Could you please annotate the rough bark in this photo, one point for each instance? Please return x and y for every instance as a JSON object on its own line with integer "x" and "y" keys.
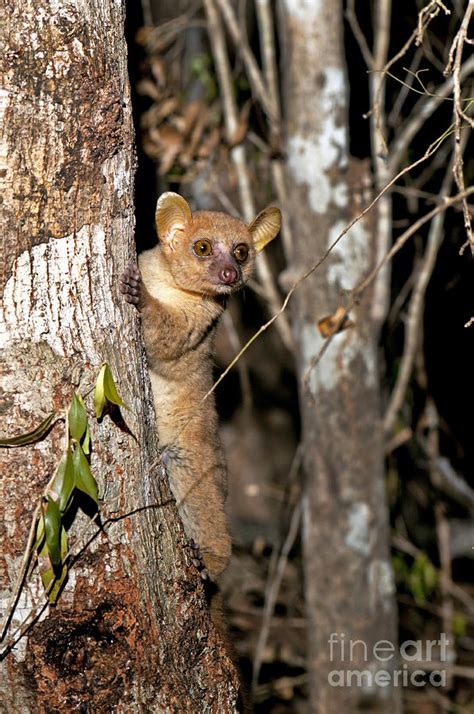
{"x": 349, "y": 585}
{"x": 131, "y": 631}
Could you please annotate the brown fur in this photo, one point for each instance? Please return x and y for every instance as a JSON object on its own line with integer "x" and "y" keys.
{"x": 181, "y": 297}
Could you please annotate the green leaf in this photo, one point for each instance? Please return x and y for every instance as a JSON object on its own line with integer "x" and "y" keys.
{"x": 47, "y": 576}
{"x": 423, "y": 578}
{"x": 31, "y": 436}
{"x": 50, "y": 576}
{"x": 52, "y": 527}
{"x": 459, "y": 624}
{"x": 54, "y": 577}
{"x": 105, "y": 391}
{"x": 64, "y": 543}
{"x": 111, "y": 393}
{"x": 86, "y": 441}
{"x": 83, "y": 477}
{"x": 63, "y": 484}
{"x": 40, "y": 541}
{"x": 77, "y": 417}
{"x": 99, "y": 393}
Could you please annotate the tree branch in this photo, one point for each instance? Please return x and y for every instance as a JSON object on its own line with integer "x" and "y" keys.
{"x": 455, "y": 59}
{"x": 415, "y": 310}
{"x": 359, "y": 35}
{"x": 253, "y": 72}
{"x": 421, "y": 112}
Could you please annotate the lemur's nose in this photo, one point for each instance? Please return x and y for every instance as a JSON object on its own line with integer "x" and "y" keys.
{"x": 228, "y": 276}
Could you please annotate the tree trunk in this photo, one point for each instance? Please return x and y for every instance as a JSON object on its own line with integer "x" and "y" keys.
{"x": 131, "y": 630}
{"x": 349, "y": 584}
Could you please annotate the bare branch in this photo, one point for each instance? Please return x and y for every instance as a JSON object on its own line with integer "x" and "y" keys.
{"x": 273, "y": 586}
{"x": 455, "y": 59}
{"x": 147, "y": 13}
{"x": 415, "y": 310}
{"x": 15, "y": 595}
{"x": 426, "y": 14}
{"x": 378, "y": 130}
{"x": 267, "y": 43}
{"x": 421, "y": 112}
{"x": 359, "y": 35}
{"x": 414, "y": 228}
{"x": 364, "y": 284}
{"x": 443, "y": 475}
{"x": 234, "y": 339}
{"x": 248, "y": 58}
{"x": 407, "y": 85}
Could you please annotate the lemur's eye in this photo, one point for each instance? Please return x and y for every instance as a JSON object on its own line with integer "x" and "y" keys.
{"x": 202, "y": 248}
{"x": 241, "y": 253}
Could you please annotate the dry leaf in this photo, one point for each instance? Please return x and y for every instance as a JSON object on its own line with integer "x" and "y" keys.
{"x": 143, "y": 35}
{"x": 171, "y": 145}
{"x": 208, "y": 146}
{"x": 148, "y": 88}
{"x": 158, "y": 70}
{"x": 165, "y": 109}
{"x": 196, "y": 137}
{"x": 332, "y": 324}
{"x": 190, "y": 113}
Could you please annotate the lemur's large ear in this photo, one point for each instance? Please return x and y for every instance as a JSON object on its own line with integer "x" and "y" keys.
{"x": 172, "y": 215}
{"x": 265, "y": 227}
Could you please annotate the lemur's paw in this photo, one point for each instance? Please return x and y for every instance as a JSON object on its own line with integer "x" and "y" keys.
{"x": 130, "y": 284}
{"x": 196, "y": 559}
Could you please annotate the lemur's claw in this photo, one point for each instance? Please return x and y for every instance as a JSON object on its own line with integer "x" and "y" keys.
{"x": 197, "y": 560}
{"x": 130, "y": 284}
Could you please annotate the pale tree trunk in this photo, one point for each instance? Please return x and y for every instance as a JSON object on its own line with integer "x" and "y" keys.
{"x": 131, "y": 631}
{"x": 349, "y": 584}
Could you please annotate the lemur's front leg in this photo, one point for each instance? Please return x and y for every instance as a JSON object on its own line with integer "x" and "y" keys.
{"x": 161, "y": 326}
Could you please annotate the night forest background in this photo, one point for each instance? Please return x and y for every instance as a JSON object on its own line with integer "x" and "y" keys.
{"x": 182, "y": 145}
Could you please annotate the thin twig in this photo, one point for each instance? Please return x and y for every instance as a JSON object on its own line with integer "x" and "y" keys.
{"x": 393, "y": 118}
{"x": 438, "y": 162}
{"x": 445, "y": 581}
{"x": 443, "y": 475}
{"x": 13, "y": 602}
{"x": 421, "y": 112}
{"x": 272, "y": 590}
{"x": 414, "y": 228}
{"x": 253, "y": 71}
{"x": 415, "y": 310}
{"x": 35, "y": 614}
{"x": 455, "y": 59}
{"x": 359, "y": 35}
{"x": 235, "y": 343}
{"x": 366, "y": 282}
{"x": 147, "y": 13}
{"x": 378, "y": 132}
{"x": 402, "y": 296}
{"x": 385, "y": 167}
{"x": 267, "y": 43}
